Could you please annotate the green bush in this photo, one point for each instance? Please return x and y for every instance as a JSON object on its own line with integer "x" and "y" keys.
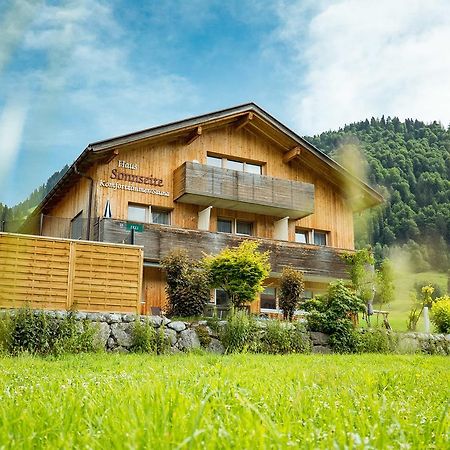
{"x": 331, "y": 314}
{"x": 203, "y": 336}
{"x": 377, "y": 341}
{"x": 291, "y": 291}
{"x": 239, "y": 333}
{"x": 283, "y": 337}
{"x": 38, "y": 332}
{"x": 239, "y": 271}
{"x": 146, "y": 339}
{"x": 440, "y": 314}
{"x": 187, "y": 285}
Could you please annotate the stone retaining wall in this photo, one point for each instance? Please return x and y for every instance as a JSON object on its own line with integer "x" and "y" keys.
{"x": 114, "y": 333}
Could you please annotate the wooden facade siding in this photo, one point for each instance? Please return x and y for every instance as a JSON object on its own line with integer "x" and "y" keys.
{"x": 230, "y": 189}
{"x": 158, "y": 241}
{"x": 49, "y": 273}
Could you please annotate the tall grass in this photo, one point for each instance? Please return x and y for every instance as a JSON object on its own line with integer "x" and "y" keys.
{"x": 235, "y": 401}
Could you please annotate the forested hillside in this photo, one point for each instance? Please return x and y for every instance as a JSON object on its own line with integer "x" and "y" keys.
{"x": 13, "y": 216}
{"x": 409, "y": 163}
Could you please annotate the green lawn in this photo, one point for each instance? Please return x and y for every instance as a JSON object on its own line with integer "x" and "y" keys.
{"x": 404, "y": 284}
{"x": 239, "y": 401}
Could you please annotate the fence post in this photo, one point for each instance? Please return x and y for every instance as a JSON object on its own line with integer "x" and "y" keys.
{"x": 71, "y": 275}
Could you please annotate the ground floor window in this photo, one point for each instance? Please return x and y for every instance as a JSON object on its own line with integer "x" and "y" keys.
{"x": 315, "y": 237}
{"x": 235, "y": 226}
{"x": 301, "y": 236}
{"x": 220, "y": 298}
{"x": 161, "y": 216}
{"x": 268, "y": 298}
{"x": 320, "y": 237}
{"x": 148, "y": 214}
{"x": 137, "y": 212}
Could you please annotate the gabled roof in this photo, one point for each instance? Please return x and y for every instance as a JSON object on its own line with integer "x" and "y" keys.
{"x": 248, "y": 115}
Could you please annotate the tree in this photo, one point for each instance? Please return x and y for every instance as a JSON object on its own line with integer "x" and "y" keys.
{"x": 187, "y": 285}
{"x": 291, "y": 291}
{"x": 361, "y": 270}
{"x": 384, "y": 283}
{"x": 239, "y": 272}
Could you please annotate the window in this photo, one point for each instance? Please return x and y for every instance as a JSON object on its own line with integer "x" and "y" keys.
{"x": 253, "y": 168}
{"x": 137, "y": 212}
{"x": 234, "y": 164}
{"x": 225, "y": 225}
{"x": 214, "y": 161}
{"x": 234, "y": 226}
{"x": 146, "y": 214}
{"x": 320, "y": 237}
{"x": 301, "y": 236}
{"x": 160, "y": 216}
{"x": 245, "y": 228}
{"x": 268, "y": 298}
{"x": 76, "y": 226}
{"x": 220, "y": 297}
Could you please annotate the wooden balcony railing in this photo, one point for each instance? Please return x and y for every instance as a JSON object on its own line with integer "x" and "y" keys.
{"x": 159, "y": 240}
{"x": 200, "y": 184}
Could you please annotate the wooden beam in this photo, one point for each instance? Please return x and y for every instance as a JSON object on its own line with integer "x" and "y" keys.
{"x": 241, "y": 123}
{"x": 193, "y": 135}
{"x": 291, "y": 154}
{"x": 112, "y": 156}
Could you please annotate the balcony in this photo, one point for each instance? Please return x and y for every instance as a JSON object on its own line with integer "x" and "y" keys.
{"x": 321, "y": 263}
{"x": 200, "y": 184}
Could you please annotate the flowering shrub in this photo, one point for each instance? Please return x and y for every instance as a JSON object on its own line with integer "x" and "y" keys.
{"x": 440, "y": 314}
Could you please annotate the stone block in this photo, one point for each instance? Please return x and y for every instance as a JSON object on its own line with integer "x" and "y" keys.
{"x": 319, "y": 338}
{"x": 177, "y": 326}
{"x": 113, "y": 318}
{"x": 215, "y": 346}
{"x": 171, "y": 336}
{"x": 155, "y": 321}
{"x": 128, "y": 318}
{"x": 122, "y": 334}
{"x": 188, "y": 340}
{"x": 101, "y": 335}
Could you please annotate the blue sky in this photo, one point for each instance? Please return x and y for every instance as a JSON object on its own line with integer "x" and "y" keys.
{"x": 76, "y": 71}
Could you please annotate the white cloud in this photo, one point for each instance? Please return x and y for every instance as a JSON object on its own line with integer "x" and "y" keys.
{"x": 360, "y": 58}
{"x": 86, "y": 72}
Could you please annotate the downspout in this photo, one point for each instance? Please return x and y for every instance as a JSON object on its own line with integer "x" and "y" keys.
{"x": 91, "y": 192}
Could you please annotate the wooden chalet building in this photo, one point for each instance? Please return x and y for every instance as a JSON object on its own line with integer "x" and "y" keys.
{"x": 208, "y": 182}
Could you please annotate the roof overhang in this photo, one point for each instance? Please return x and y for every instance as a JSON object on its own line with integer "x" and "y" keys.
{"x": 250, "y": 116}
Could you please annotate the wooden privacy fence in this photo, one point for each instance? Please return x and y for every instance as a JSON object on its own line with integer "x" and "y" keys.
{"x": 51, "y": 273}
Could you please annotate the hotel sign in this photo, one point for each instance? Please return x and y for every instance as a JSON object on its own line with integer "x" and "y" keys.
{"x": 146, "y": 180}
{"x": 135, "y": 226}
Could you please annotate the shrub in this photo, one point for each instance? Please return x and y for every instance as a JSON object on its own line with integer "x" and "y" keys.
{"x": 187, "y": 285}
{"x": 146, "y": 339}
{"x": 203, "y": 335}
{"x": 377, "y": 341}
{"x": 435, "y": 293}
{"x": 239, "y": 333}
{"x": 239, "y": 272}
{"x": 38, "y": 332}
{"x": 440, "y": 314}
{"x": 291, "y": 291}
{"x": 283, "y": 337}
{"x": 425, "y": 299}
{"x": 332, "y": 313}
